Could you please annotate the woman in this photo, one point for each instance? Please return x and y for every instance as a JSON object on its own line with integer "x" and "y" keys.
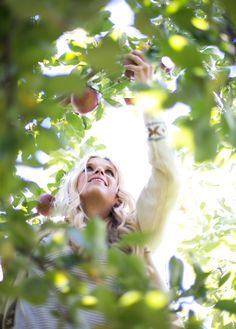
{"x": 95, "y": 189}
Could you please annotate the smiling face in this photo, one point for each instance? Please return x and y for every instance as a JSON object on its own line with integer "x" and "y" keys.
{"x": 98, "y": 186}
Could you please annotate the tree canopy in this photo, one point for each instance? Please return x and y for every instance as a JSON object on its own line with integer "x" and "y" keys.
{"x": 199, "y": 37}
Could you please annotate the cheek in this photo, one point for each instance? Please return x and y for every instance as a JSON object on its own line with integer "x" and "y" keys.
{"x": 114, "y": 187}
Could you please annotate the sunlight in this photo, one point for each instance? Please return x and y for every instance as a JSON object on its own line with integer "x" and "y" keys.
{"x": 177, "y": 42}
{"x": 151, "y": 100}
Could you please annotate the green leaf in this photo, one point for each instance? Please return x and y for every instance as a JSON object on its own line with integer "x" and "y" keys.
{"x": 179, "y": 48}
{"x": 76, "y": 121}
{"x": 128, "y": 269}
{"x": 226, "y": 305}
{"x": 107, "y": 301}
{"x": 33, "y": 188}
{"x": 183, "y": 18}
{"x": 64, "y": 84}
{"x": 99, "y": 111}
{"x": 95, "y": 235}
{"x": 34, "y": 290}
{"x": 98, "y": 57}
{"x": 135, "y": 238}
{"x": 229, "y": 126}
{"x": 224, "y": 278}
{"x": 143, "y": 23}
{"x": 47, "y": 140}
{"x": 60, "y": 174}
{"x": 21, "y": 233}
{"x": 100, "y": 24}
{"x": 92, "y": 239}
{"x": 230, "y": 7}
{"x": 176, "y": 273}
{"x": 86, "y": 122}
{"x": 206, "y": 139}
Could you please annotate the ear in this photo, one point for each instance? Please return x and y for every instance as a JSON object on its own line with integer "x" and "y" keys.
{"x": 117, "y": 202}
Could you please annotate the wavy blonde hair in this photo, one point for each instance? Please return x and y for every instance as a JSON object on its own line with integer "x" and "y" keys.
{"x": 121, "y": 220}
{"x": 122, "y": 217}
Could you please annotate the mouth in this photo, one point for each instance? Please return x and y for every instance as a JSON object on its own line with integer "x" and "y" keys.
{"x": 98, "y": 179}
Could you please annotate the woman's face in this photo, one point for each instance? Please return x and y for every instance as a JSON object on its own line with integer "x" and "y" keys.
{"x": 99, "y": 183}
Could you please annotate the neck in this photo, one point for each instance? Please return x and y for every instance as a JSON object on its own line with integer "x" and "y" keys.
{"x": 95, "y": 210}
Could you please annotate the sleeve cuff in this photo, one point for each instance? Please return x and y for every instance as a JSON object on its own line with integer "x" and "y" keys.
{"x": 156, "y": 130}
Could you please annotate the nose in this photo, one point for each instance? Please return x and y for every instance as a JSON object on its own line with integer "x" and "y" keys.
{"x": 99, "y": 170}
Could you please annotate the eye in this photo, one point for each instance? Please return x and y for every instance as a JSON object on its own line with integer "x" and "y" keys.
{"x": 89, "y": 168}
{"x": 109, "y": 172}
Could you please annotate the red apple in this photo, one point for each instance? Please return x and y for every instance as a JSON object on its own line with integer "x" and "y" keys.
{"x": 85, "y": 103}
{"x": 45, "y": 204}
{"x": 130, "y": 100}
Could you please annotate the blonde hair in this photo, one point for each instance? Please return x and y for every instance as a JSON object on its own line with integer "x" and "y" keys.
{"x": 122, "y": 218}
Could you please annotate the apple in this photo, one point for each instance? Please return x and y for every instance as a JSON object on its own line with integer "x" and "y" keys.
{"x": 45, "y": 204}
{"x": 85, "y": 103}
{"x": 129, "y": 100}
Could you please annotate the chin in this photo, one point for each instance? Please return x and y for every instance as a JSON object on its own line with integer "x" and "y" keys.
{"x": 94, "y": 193}
{"x": 97, "y": 200}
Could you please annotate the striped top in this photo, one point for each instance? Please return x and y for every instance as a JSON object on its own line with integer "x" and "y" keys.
{"x": 28, "y": 316}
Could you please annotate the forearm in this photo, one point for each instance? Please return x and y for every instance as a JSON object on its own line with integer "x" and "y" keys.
{"x": 159, "y": 195}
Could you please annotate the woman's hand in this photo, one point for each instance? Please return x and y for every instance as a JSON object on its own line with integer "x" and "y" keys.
{"x": 135, "y": 62}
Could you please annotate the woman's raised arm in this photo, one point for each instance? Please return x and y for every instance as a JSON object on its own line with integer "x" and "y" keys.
{"x": 158, "y": 197}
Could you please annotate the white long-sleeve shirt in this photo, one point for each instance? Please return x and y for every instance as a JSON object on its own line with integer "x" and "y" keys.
{"x": 158, "y": 197}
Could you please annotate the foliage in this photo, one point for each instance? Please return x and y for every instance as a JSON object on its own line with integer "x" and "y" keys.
{"x": 199, "y": 37}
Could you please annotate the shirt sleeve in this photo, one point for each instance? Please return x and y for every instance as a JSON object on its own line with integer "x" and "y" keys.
{"x": 158, "y": 197}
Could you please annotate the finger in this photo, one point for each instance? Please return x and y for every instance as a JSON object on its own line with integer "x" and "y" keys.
{"x": 136, "y": 59}
{"x": 133, "y": 68}
{"x": 138, "y": 53}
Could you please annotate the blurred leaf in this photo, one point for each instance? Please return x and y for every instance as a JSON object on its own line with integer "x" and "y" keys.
{"x": 130, "y": 272}
{"x": 47, "y": 140}
{"x": 99, "y": 111}
{"x": 101, "y": 23}
{"x": 183, "y": 18}
{"x": 226, "y": 305}
{"x": 87, "y": 124}
{"x": 64, "y": 84}
{"x": 135, "y": 238}
{"x": 98, "y": 57}
{"x": 143, "y": 23}
{"x": 178, "y": 48}
{"x": 224, "y": 278}
{"x": 33, "y": 188}
{"x": 95, "y": 235}
{"x": 205, "y": 139}
{"x": 21, "y": 233}
{"x": 176, "y": 273}
{"x": 230, "y": 7}
{"x": 34, "y": 290}
{"x": 107, "y": 302}
{"x": 229, "y": 126}
{"x": 76, "y": 121}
